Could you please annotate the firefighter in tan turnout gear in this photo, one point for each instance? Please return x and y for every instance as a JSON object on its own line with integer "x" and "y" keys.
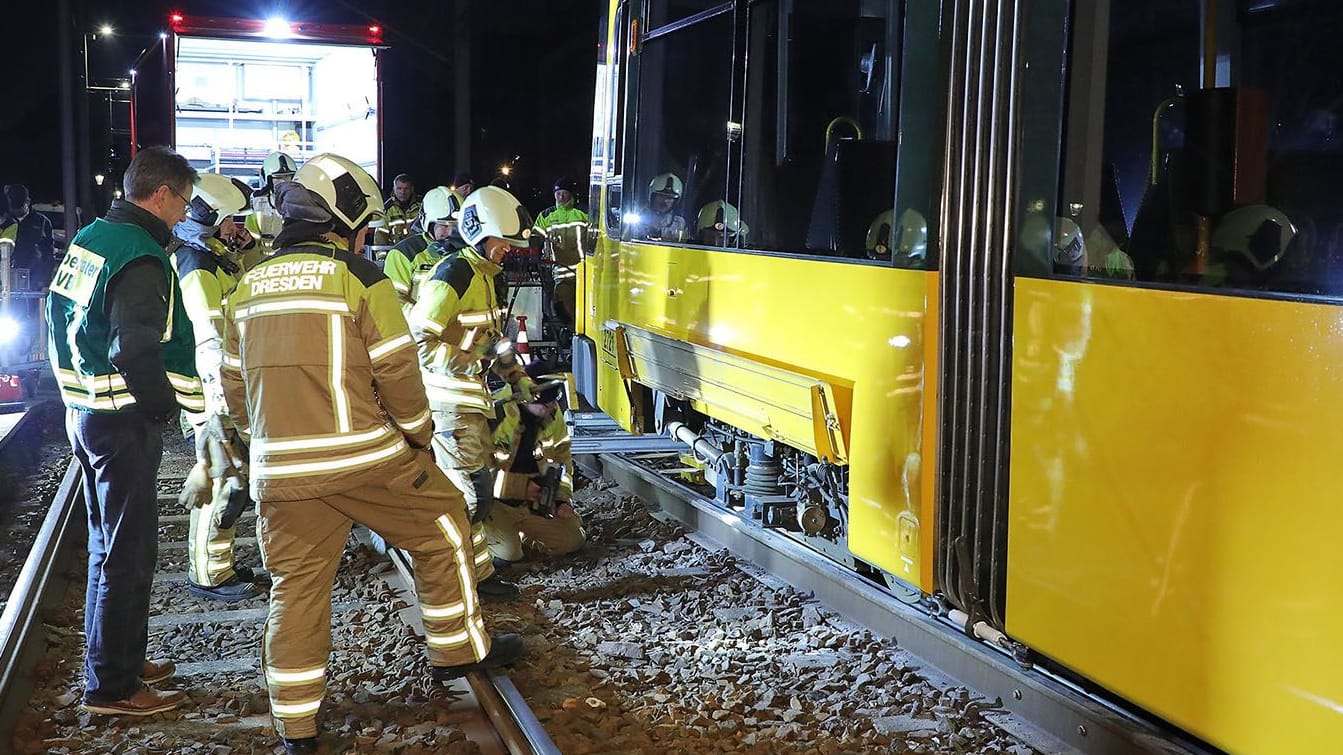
{"x": 458, "y": 327}
{"x": 320, "y": 369}
{"x": 216, "y": 488}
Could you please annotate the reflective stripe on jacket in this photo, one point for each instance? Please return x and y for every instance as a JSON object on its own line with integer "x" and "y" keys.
{"x": 320, "y": 369}
{"x": 456, "y": 321}
{"x": 207, "y": 276}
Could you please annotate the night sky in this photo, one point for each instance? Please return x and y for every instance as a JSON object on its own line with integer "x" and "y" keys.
{"x": 533, "y": 73}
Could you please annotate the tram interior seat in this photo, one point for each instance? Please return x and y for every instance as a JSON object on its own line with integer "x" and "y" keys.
{"x": 857, "y": 184}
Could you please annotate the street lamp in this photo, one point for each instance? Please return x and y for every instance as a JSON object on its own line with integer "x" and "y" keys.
{"x": 105, "y": 30}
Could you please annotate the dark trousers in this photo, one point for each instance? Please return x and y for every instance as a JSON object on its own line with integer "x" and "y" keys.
{"x": 119, "y": 455}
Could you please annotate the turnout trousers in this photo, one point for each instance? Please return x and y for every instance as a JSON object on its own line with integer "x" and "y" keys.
{"x": 507, "y": 527}
{"x": 211, "y": 545}
{"x": 415, "y": 508}
{"x": 119, "y": 455}
{"x": 464, "y": 451}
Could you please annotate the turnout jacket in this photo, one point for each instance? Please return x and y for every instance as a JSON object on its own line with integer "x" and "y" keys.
{"x": 319, "y": 368}
{"x": 529, "y": 439}
{"x": 207, "y": 275}
{"x": 408, "y": 264}
{"x": 456, "y": 322}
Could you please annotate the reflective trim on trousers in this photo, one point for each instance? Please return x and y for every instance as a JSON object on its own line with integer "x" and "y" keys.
{"x": 301, "y": 676}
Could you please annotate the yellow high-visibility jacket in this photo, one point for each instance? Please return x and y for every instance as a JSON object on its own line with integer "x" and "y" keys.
{"x": 457, "y": 321}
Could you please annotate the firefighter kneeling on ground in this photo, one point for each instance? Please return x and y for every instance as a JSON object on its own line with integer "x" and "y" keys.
{"x": 534, "y": 483}
{"x": 216, "y": 489}
{"x": 458, "y": 324}
{"x": 319, "y": 367}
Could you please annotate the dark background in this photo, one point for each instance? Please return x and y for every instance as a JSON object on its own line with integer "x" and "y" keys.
{"x": 532, "y": 64}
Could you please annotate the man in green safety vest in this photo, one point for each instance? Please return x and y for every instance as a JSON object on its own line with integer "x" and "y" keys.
{"x": 123, "y": 352}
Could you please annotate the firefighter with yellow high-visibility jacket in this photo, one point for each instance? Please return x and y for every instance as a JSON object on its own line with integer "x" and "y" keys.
{"x": 564, "y": 227}
{"x": 409, "y": 262}
{"x": 216, "y": 489}
{"x": 534, "y": 484}
{"x": 400, "y": 212}
{"x": 265, "y": 221}
{"x": 458, "y": 325}
{"x": 320, "y": 369}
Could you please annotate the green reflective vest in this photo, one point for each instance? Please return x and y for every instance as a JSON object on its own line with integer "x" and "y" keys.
{"x": 566, "y": 229}
{"x": 80, "y": 329}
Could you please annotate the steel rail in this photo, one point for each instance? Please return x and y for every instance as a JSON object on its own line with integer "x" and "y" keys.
{"x": 517, "y": 726}
{"x": 1075, "y": 718}
{"x": 41, "y": 577}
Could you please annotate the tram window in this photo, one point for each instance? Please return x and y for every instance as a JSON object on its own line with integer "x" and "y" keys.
{"x": 1217, "y": 168}
{"x": 681, "y": 132}
{"x": 819, "y": 143}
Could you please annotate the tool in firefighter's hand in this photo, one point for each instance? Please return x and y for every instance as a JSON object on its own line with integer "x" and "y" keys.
{"x": 549, "y": 485}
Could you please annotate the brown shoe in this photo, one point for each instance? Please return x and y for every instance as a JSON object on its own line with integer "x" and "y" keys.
{"x": 157, "y": 671}
{"x": 145, "y": 702}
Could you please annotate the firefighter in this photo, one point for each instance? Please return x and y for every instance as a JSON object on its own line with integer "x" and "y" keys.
{"x": 534, "y": 483}
{"x": 409, "y": 262}
{"x": 265, "y": 220}
{"x": 400, "y": 211}
{"x": 719, "y": 224}
{"x": 122, "y": 350}
{"x": 34, "y": 246}
{"x": 458, "y": 325}
{"x": 216, "y": 488}
{"x": 564, "y": 228}
{"x": 664, "y": 191}
{"x": 317, "y": 351}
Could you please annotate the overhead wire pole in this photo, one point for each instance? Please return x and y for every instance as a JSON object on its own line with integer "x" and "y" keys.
{"x": 461, "y": 89}
{"x": 69, "y": 189}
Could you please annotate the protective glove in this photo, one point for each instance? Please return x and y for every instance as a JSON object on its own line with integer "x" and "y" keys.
{"x": 197, "y": 491}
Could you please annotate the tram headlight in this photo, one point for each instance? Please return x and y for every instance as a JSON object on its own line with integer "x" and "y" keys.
{"x": 9, "y": 330}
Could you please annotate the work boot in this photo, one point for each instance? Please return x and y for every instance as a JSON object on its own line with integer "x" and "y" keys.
{"x": 502, "y": 563}
{"x": 258, "y": 577}
{"x": 145, "y": 702}
{"x": 306, "y": 744}
{"x": 231, "y": 591}
{"x": 496, "y": 589}
{"x": 505, "y": 650}
{"x": 157, "y": 671}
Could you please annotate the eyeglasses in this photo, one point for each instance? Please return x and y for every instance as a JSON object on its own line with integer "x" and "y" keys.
{"x": 185, "y": 202}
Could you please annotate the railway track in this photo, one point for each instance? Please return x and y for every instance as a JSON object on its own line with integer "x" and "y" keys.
{"x": 1068, "y": 717}
{"x": 216, "y": 647}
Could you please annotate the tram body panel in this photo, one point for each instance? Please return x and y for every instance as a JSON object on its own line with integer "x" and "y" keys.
{"x": 1172, "y": 530}
{"x": 744, "y": 331}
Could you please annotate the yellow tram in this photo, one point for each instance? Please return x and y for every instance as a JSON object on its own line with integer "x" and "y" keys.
{"x": 1030, "y": 306}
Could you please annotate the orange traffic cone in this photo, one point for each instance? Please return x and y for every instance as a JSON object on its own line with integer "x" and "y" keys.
{"x": 520, "y": 343}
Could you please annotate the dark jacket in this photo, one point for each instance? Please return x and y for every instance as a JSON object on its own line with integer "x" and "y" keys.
{"x": 34, "y": 247}
{"x": 135, "y": 300}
